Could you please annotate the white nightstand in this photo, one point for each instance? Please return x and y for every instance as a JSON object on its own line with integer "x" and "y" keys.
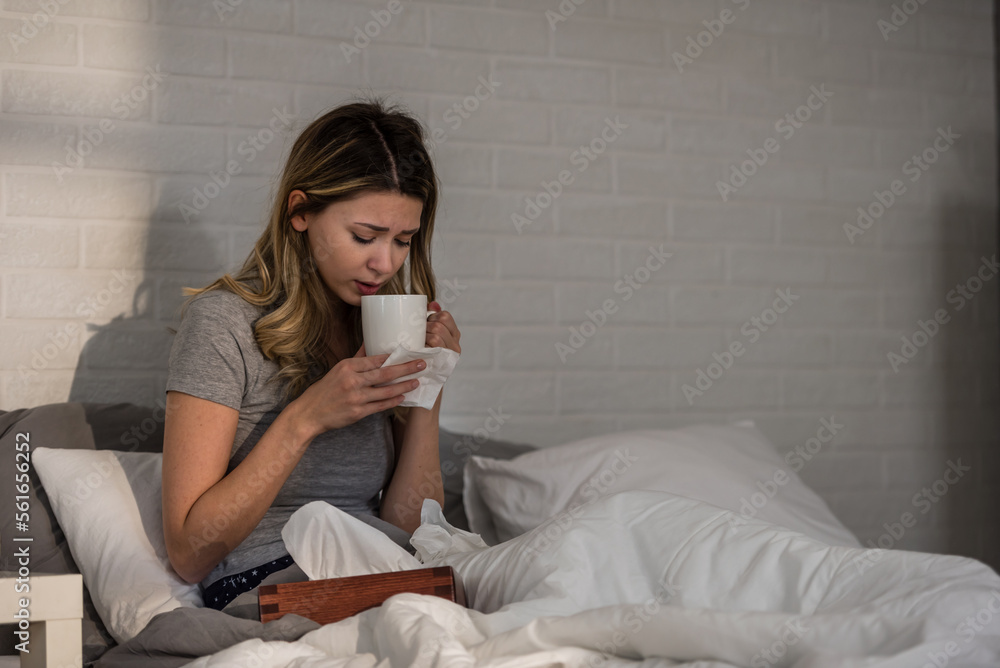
{"x": 56, "y": 615}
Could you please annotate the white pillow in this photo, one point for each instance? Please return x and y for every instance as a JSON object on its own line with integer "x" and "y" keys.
{"x": 109, "y": 506}
{"x": 732, "y": 467}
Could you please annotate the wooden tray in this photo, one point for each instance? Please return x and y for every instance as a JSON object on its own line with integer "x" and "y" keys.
{"x": 325, "y": 601}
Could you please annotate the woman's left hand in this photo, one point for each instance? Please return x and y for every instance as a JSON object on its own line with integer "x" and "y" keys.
{"x": 442, "y": 332}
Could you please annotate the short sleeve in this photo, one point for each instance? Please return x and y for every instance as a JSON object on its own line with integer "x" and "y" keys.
{"x": 208, "y": 358}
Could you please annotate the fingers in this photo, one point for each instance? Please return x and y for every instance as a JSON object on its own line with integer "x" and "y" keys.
{"x": 386, "y": 398}
{"x": 385, "y": 404}
{"x": 445, "y": 320}
{"x": 387, "y": 392}
{"x": 391, "y": 373}
{"x": 442, "y": 332}
{"x": 441, "y": 338}
{"x": 362, "y": 364}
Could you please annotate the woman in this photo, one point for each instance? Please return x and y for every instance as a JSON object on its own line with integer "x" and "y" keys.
{"x": 271, "y": 400}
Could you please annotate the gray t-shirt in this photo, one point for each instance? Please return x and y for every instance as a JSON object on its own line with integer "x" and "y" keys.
{"x": 216, "y": 357}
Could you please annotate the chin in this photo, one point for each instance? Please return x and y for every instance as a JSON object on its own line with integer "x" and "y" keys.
{"x": 346, "y": 294}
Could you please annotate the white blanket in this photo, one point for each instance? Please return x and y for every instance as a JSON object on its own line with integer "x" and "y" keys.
{"x": 650, "y": 579}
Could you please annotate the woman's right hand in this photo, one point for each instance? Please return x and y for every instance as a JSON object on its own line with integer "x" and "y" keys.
{"x": 347, "y": 392}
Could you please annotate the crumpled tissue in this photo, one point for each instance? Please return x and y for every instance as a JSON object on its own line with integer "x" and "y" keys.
{"x": 440, "y": 363}
{"x": 435, "y": 539}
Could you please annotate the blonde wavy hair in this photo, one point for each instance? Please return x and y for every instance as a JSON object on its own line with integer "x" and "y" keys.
{"x": 362, "y": 147}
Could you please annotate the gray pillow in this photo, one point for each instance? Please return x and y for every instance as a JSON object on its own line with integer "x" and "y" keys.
{"x": 454, "y": 450}
{"x": 72, "y": 426}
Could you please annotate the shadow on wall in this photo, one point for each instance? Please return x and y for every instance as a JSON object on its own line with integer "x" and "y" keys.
{"x": 202, "y": 224}
{"x": 125, "y": 360}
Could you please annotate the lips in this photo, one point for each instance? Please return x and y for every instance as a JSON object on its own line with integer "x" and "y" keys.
{"x": 367, "y": 288}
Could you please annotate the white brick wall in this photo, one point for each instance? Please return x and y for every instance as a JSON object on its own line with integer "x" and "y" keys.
{"x": 92, "y": 258}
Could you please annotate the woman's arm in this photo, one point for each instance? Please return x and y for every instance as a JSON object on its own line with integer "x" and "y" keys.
{"x": 417, "y": 475}
{"x": 206, "y": 513}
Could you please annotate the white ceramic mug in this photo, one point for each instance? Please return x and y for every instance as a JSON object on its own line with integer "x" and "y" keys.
{"x": 388, "y": 321}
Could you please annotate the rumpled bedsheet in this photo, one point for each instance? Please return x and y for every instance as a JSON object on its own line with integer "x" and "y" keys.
{"x": 647, "y": 578}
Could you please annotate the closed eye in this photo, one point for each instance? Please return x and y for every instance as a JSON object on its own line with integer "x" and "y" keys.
{"x": 365, "y": 242}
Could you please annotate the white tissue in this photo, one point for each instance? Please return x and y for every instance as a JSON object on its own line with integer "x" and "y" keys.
{"x": 440, "y": 363}
{"x": 326, "y": 542}
{"x": 436, "y": 539}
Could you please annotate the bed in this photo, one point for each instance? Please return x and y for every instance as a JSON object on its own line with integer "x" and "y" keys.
{"x": 697, "y": 546}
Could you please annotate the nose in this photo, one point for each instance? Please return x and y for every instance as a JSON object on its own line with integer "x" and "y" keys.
{"x": 380, "y": 261}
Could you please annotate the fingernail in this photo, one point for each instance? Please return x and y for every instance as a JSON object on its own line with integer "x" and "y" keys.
{"x": 421, "y": 365}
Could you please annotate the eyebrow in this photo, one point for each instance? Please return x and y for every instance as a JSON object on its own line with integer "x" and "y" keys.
{"x": 386, "y": 229}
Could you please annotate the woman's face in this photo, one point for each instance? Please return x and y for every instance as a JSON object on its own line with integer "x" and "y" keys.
{"x": 360, "y": 243}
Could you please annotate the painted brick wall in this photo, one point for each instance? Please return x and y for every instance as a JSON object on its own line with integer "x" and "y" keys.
{"x": 642, "y": 225}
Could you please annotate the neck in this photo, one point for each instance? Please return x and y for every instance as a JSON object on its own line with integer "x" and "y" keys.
{"x": 339, "y": 327}
{"x": 338, "y": 307}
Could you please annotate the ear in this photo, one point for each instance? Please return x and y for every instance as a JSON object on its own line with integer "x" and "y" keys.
{"x": 300, "y": 223}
